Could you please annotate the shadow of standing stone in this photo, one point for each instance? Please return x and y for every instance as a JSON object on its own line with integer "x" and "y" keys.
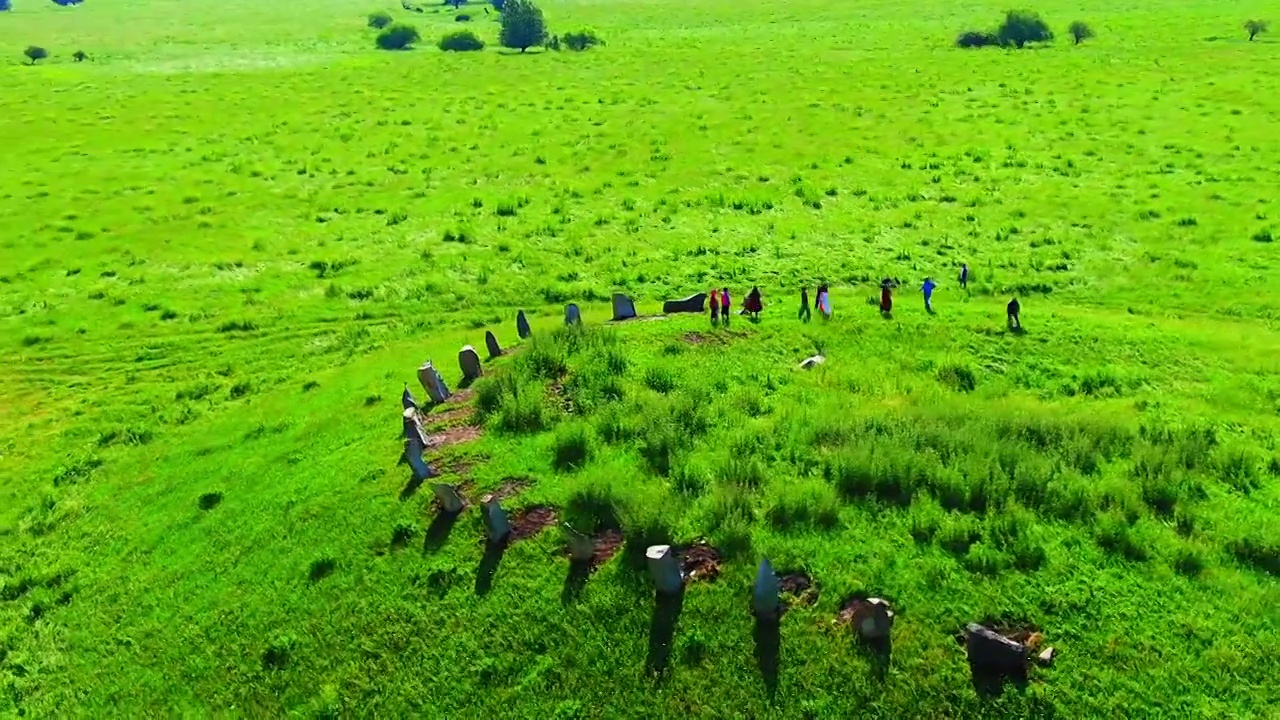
{"x": 662, "y": 629}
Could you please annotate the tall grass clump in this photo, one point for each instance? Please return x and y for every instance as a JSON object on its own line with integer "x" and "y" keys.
{"x": 573, "y": 446}
{"x": 803, "y": 503}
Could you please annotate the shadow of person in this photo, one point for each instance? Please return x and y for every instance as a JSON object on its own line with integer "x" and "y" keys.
{"x": 768, "y": 639}
{"x": 662, "y": 628}
{"x": 493, "y": 552}
{"x": 438, "y": 531}
{"x": 886, "y": 315}
{"x": 575, "y": 581}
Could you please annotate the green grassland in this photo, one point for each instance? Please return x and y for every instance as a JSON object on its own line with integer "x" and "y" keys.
{"x": 232, "y": 235}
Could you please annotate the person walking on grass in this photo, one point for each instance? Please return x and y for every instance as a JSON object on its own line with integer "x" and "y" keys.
{"x": 824, "y": 301}
{"x": 805, "y": 314}
{"x": 927, "y": 289}
{"x": 715, "y": 307}
{"x": 753, "y": 304}
{"x": 964, "y": 276}
{"x": 1014, "y": 308}
{"x": 886, "y": 296}
{"x": 725, "y": 304}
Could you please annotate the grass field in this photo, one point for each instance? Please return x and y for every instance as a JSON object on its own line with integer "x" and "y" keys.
{"x": 233, "y": 234}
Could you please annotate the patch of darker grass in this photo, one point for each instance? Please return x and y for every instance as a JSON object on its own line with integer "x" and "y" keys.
{"x": 321, "y": 569}
{"x": 209, "y": 501}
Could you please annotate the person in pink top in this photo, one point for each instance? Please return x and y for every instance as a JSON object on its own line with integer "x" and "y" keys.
{"x": 724, "y": 306}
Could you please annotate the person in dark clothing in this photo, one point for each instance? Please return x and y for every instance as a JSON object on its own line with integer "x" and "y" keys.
{"x": 805, "y": 313}
{"x": 725, "y": 303}
{"x": 964, "y": 276}
{"x": 1015, "y": 323}
{"x": 752, "y": 305}
{"x": 886, "y": 296}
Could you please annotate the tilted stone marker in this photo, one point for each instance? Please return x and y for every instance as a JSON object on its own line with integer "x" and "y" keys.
{"x": 764, "y": 597}
{"x": 874, "y": 619}
{"x": 522, "y": 326}
{"x": 491, "y": 343}
{"x": 496, "y": 524}
{"x": 413, "y": 427}
{"x": 664, "y": 569}
{"x": 572, "y": 315}
{"x": 991, "y": 651}
{"x": 433, "y": 383}
{"x": 450, "y": 500}
{"x": 581, "y": 547}
{"x": 692, "y": 304}
{"x": 469, "y": 361}
{"x": 413, "y": 454}
{"x": 813, "y": 362}
{"x": 407, "y": 399}
{"x": 623, "y": 308}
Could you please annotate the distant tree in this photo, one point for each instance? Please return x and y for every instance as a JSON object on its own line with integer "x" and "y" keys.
{"x": 380, "y": 19}
{"x": 977, "y": 39}
{"x": 461, "y": 41}
{"x": 398, "y": 37}
{"x": 497, "y": 4}
{"x": 35, "y": 53}
{"x": 5, "y": 6}
{"x": 79, "y": 56}
{"x": 1080, "y": 32}
{"x": 523, "y": 26}
{"x": 1256, "y": 28}
{"x": 65, "y": 3}
{"x": 1023, "y": 26}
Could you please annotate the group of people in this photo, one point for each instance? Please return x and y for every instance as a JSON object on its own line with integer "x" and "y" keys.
{"x": 752, "y": 306}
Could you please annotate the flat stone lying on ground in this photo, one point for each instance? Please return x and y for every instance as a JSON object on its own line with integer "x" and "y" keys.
{"x": 522, "y": 326}
{"x": 692, "y": 304}
{"x": 810, "y": 363}
{"x": 623, "y": 307}
{"x": 491, "y": 344}
{"x": 433, "y": 383}
{"x": 469, "y": 362}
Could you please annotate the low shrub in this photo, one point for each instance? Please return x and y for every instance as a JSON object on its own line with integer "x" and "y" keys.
{"x": 1115, "y": 535}
{"x": 380, "y": 19}
{"x": 1189, "y": 561}
{"x": 1262, "y": 554}
{"x": 659, "y": 379}
{"x": 461, "y": 41}
{"x": 958, "y": 378}
{"x": 580, "y": 40}
{"x": 398, "y": 36}
{"x": 1080, "y": 31}
{"x": 977, "y": 39}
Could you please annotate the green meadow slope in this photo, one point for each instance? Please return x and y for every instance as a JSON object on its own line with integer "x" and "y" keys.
{"x": 232, "y": 235}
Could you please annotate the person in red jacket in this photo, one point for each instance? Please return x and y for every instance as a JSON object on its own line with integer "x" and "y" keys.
{"x": 714, "y": 297}
{"x": 886, "y": 296}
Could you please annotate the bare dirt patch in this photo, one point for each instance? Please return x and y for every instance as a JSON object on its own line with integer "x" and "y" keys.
{"x": 460, "y": 397}
{"x": 530, "y": 521}
{"x": 509, "y": 488}
{"x": 608, "y": 543}
{"x": 798, "y": 588}
{"x": 449, "y": 418}
{"x": 454, "y": 436}
{"x": 699, "y": 561}
{"x": 557, "y": 395}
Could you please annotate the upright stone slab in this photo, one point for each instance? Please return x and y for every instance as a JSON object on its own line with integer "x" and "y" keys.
{"x": 450, "y": 500}
{"x": 491, "y": 343}
{"x": 764, "y": 597}
{"x": 413, "y": 427}
{"x": 413, "y": 454}
{"x": 692, "y": 304}
{"x": 581, "y": 547}
{"x": 522, "y": 326}
{"x": 664, "y": 569}
{"x": 407, "y": 399}
{"x": 496, "y": 525}
{"x": 433, "y": 383}
{"x": 572, "y": 315}
{"x": 993, "y": 652}
{"x": 876, "y": 621}
{"x": 469, "y": 361}
{"x": 623, "y": 308}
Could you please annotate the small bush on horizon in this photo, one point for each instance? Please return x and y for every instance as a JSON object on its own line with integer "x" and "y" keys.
{"x": 1256, "y": 28}
{"x": 977, "y": 39}
{"x": 582, "y": 39}
{"x": 35, "y": 53}
{"x": 461, "y": 41}
{"x": 399, "y": 36}
{"x": 1080, "y": 32}
{"x": 380, "y": 19}
{"x": 523, "y": 25}
{"x": 1021, "y": 27}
